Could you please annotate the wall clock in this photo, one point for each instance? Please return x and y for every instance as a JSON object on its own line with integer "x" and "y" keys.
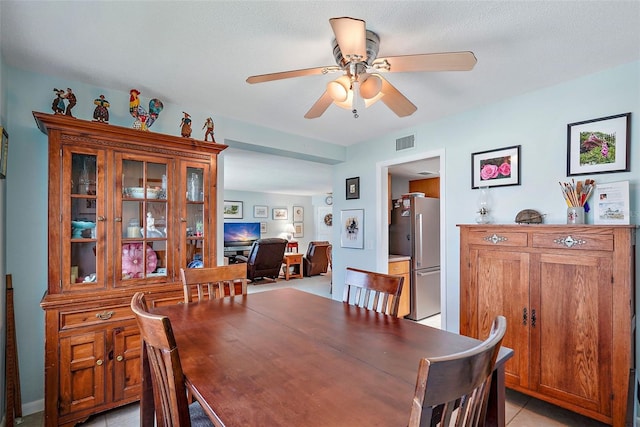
{"x": 329, "y": 200}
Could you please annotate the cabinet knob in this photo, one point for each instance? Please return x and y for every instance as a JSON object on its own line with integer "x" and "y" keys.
{"x": 99, "y": 362}
{"x": 120, "y": 358}
{"x": 118, "y": 219}
{"x": 183, "y": 220}
{"x": 100, "y": 218}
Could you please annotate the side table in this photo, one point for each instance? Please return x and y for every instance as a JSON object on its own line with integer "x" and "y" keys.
{"x": 292, "y": 264}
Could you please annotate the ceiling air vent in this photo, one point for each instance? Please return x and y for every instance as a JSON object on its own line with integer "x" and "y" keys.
{"x": 405, "y": 142}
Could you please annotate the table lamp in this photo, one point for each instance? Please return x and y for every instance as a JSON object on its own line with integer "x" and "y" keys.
{"x": 290, "y": 230}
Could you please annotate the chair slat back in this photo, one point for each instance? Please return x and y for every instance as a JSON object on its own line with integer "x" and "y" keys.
{"x": 458, "y": 382}
{"x": 374, "y": 291}
{"x": 169, "y": 391}
{"x": 214, "y": 282}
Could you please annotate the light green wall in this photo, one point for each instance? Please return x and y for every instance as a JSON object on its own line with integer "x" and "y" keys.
{"x": 536, "y": 120}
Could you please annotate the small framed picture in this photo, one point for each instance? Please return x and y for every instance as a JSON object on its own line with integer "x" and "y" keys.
{"x": 599, "y": 145}
{"x": 298, "y": 214}
{"x": 352, "y": 228}
{"x": 496, "y": 168}
{"x": 263, "y": 227}
{"x": 232, "y": 209}
{"x": 280, "y": 213}
{"x": 611, "y": 203}
{"x": 298, "y": 229}
{"x": 353, "y": 188}
{"x": 260, "y": 211}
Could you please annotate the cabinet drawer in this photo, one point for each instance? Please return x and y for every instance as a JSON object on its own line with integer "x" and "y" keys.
{"x": 94, "y": 316}
{"x": 399, "y": 267}
{"x": 580, "y": 241}
{"x": 497, "y": 238}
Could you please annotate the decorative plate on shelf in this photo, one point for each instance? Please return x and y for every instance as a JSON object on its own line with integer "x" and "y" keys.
{"x": 133, "y": 257}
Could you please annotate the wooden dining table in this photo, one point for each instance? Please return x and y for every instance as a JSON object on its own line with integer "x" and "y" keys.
{"x": 289, "y": 358}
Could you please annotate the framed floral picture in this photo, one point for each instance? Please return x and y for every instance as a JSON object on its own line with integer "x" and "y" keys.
{"x": 496, "y": 168}
{"x": 599, "y": 145}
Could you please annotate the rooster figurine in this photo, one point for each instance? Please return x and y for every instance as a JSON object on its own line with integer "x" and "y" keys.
{"x": 143, "y": 119}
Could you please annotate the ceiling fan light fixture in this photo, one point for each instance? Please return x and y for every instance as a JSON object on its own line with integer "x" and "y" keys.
{"x": 339, "y": 88}
{"x": 347, "y": 104}
{"x": 370, "y": 86}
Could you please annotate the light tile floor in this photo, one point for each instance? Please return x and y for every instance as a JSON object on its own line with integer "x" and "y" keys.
{"x": 521, "y": 410}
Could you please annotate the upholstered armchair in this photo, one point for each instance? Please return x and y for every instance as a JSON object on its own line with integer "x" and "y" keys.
{"x": 316, "y": 260}
{"x": 265, "y": 258}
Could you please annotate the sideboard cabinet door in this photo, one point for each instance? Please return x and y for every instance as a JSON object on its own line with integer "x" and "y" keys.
{"x": 568, "y": 295}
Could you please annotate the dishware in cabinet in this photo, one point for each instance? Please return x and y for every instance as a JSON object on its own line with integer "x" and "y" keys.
{"x": 195, "y": 231}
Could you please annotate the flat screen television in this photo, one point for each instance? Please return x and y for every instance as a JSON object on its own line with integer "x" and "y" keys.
{"x": 241, "y": 233}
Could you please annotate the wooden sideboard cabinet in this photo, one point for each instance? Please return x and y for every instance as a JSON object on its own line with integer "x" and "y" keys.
{"x": 401, "y": 267}
{"x": 127, "y": 210}
{"x": 568, "y": 295}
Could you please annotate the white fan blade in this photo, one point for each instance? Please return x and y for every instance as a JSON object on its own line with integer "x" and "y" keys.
{"x": 396, "y": 101}
{"x": 320, "y": 106}
{"x": 448, "y": 61}
{"x": 293, "y": 73}
{"x": 351, "y": 38}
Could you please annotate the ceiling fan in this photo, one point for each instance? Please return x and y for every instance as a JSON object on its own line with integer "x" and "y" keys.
{"x": 355, "y": 50}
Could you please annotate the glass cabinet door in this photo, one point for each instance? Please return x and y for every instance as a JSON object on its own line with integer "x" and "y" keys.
{"x": 194, "y": 215}
{"x": 83, "y": 220}
{"x": 143, "y": 225}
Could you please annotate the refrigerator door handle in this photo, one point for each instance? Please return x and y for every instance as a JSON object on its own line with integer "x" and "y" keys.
{"x": 419, "y": 239}
{"x": 427, "y": 273}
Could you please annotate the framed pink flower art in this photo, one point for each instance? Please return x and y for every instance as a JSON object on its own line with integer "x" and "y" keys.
{"x": 496, "y": 168}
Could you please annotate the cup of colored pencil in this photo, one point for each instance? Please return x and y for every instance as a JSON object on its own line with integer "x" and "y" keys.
{"x": 576, "y": 194}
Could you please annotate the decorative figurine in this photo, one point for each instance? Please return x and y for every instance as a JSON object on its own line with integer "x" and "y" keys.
{"x": 209, "y": 125}
{"x": 58, "y": 103}
{"x": 186, "y": 125}
{"x": 143, "y": 120}
{"x": 101, "y": 113}
{"x": 71, "y": 97}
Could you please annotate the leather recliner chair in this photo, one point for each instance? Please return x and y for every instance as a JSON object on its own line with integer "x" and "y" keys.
{"x": 316, "y": 260}
{"x": 265, "y": 258}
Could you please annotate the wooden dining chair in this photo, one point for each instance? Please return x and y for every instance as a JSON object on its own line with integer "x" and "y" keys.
{"x": 458, "y": 382}
{"x": 172, "y": 406}
{"x": 214, "y": 282}
{"x": 374, "y": 291}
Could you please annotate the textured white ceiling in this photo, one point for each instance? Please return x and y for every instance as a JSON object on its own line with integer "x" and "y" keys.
{"x": 198, "y": 54}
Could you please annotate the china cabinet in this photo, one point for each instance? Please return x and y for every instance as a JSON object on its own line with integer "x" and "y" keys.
{"x": 568, "y": 295}
{"x": 127, "y": 210}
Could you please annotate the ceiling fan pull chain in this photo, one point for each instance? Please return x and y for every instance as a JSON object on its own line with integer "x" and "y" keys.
{"x": 355, "y": 90}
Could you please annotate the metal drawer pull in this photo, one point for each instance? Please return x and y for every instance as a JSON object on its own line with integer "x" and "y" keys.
{"x": 495, "y": 239}
{"x": 524, "y": 316}
{"x": 570, "y": 241}
{"x": 105, "y": 315}
{"x": 533, "y": 318}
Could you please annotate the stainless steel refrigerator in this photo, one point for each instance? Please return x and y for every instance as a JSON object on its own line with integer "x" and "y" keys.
{"x": 415, "y": 231}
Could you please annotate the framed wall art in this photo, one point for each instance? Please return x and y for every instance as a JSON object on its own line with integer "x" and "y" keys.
{"x": 232, "y": 209}
{"x": 4, "y": 152}
{"x": 353, "y": 188}
{"x": 352, "y": 228}
{"x": 496, "y": 168}
{"x": 280, "y": 213}
{"x": 263, "y": 227}
{"x": 298, "y": 229}
{"x": 298, "y": 214}
{"x": 260, "y": 211}
{"x": 599, "y": 145}
{"x": 611, "y": 203}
